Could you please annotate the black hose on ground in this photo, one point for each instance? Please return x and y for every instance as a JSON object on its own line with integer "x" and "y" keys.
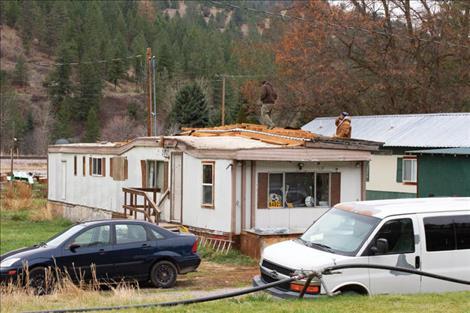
{"x": 327, "y": 271}
{"x": 181, "y": 302}
{"x": 330, "y": 269}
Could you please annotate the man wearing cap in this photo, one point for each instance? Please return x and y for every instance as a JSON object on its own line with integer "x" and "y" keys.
{"x": 268, "y": 97}
{"x": 343, "y": 125}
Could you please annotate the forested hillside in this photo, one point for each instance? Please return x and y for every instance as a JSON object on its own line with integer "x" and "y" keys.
{"x": 76, "y": 69}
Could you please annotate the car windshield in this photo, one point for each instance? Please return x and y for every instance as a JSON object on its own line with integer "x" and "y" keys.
{"x": 63, "y": 236}
{"x": 339, "y": 231}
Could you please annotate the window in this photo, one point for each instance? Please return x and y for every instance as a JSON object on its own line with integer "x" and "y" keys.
{"x": 399, "y": 234}
{"x": 323, "y": 189}
{"x": 128, "y": 233}
{"x": 297, "y": 190}
{"x": 276, "y": 193}
{"x": 96, "y": 236}
{"x": 409, "y": 170}
{"x": 156, "y": 234}
{"x": 75, "y": 165}
{"x": 208, "y": 184}
{"x": 341, "y": 231}
{"x": 447, "y": 233}
{"x": 155, "y": 174}
{"x": 98, "y": 166}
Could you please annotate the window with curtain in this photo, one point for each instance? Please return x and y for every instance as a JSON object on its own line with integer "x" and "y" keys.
{"x": 155, "y": 173}
{"x": 298, "y": 190}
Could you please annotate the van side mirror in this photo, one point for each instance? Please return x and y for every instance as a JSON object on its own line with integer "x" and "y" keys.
{"x": 380, "y": 247}
{"x": 74, "y": 246}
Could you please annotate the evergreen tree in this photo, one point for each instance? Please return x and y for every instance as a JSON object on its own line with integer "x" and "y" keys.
{"x": 90, "y": 74}
{"x": 117, "y": 68}
{"x": 92, "y": 131}
{"x": 11, "y": 11}
{"x": 63, "y": 127}
{"x": 58, "y": 82}
{"x": 56, "y": 23}
{"x": 20, "y": 74}
{"x": 190, "y": 108}
{"x": 139, "y": 48}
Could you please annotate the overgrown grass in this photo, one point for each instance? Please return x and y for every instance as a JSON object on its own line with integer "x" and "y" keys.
{"x": 233, "y": 257}
{"x": 18, "y": 230}
{"x": 458, "y": 302}
{"x": 25, "y": 218}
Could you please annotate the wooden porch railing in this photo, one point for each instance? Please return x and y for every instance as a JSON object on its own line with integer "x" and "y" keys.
{"x": 137, "y": 200}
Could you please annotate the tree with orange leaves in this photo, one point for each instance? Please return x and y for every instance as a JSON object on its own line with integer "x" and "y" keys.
{"x": 376, "y": 57}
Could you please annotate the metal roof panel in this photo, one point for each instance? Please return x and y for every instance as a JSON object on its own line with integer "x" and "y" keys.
{"x": 440, "y": 130}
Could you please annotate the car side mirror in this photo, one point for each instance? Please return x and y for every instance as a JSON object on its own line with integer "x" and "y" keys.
{"x": 380, "y": 247}
{"x": 74, "y": 246}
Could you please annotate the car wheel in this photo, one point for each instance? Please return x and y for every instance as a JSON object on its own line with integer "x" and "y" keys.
{"x": 40, "y": 281}
{"x": 163, "y": 274}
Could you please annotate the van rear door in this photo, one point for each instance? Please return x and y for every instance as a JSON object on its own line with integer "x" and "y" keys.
{"x": 445, "y": 249}
{"x": 400, "y": 247}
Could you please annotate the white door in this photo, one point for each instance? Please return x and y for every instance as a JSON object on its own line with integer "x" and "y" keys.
{"x": 403, "y": 251}
{"x": 445, "y": 250}
{"x": 63, "y": 178}
{"x": 176, "y": 186}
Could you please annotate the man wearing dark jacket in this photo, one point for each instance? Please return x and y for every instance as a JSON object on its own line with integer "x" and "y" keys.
{"x": 268, "y": 98}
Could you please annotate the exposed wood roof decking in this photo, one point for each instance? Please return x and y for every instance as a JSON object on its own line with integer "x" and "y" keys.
{"x": 276, "y": 136}
{"x": 242, "y": 142}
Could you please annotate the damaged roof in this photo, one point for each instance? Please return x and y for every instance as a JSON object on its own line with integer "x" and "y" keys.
{"x": 275, "y": 136}
{"x": 243, "y": 142}
{"x": 440, "y": 130}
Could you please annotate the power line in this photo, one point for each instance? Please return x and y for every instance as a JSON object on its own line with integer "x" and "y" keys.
{"x": 285, "y": 17}
{"x": 83, "y": 62}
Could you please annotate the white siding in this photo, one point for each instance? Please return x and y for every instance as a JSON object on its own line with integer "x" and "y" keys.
{"x": 217, "y": 218}
{"x": 298, "y": 219}
{"x": 96, "y": 191}
{"x": 382, "y": 175}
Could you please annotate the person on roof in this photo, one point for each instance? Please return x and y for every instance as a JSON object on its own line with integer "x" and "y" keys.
{"x": 268, "y": 98}
{"x": 343, "y": 125}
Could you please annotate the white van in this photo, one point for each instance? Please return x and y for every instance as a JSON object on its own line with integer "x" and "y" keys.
{"x": 432, "y": 235}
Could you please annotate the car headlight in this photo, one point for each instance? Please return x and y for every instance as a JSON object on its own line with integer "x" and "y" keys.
{"x": 9, "y": 262}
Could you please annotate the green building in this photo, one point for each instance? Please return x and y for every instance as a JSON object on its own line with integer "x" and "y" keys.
{"x": 443, "y": 172}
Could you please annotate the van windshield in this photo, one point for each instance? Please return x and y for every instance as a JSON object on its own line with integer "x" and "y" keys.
{"x": 340, "y": 232}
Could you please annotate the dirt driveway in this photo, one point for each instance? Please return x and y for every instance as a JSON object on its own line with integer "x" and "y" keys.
{"x": 215, "y": 276}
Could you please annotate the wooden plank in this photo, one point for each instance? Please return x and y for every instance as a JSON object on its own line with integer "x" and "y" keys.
{"x": 262, "y": 190}
{"x": 165, "y": 176}
{"x": 335, "y": 188}
{"x": 103, "y": 166}
{"x": 143, "y": 172}
{"x": 84, "y": 165}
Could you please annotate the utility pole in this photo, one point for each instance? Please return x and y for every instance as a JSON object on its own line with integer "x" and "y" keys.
{"x": 154, "y": 70}
{"x": 223, "y": 101}
{"x": 149, "y": 92}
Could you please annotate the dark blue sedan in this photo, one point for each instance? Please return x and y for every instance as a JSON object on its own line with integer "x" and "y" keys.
{"x": 111, "y": 249}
